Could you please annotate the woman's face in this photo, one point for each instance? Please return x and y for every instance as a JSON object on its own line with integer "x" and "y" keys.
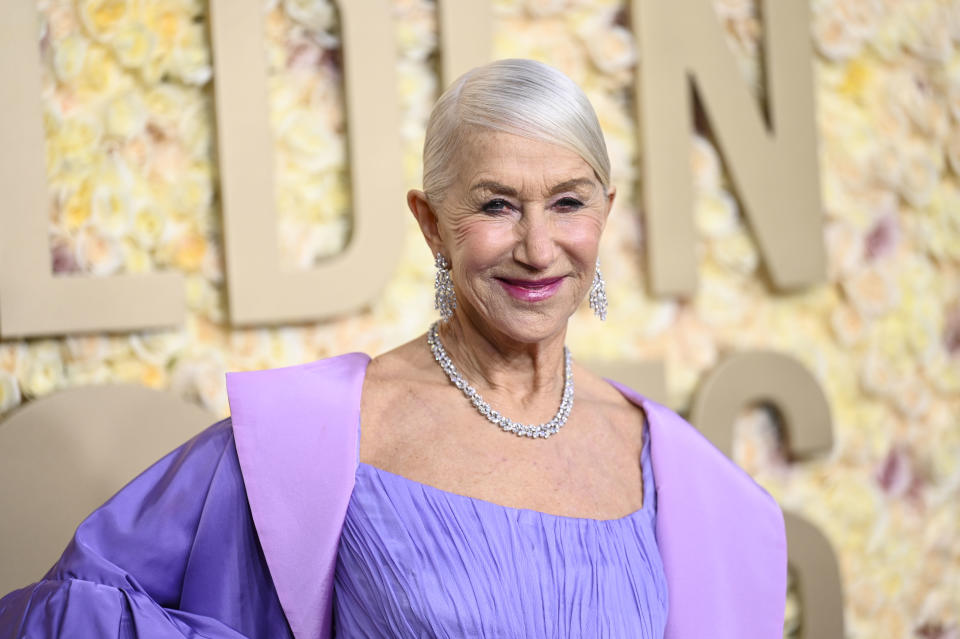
{"x": 520, "y": 227}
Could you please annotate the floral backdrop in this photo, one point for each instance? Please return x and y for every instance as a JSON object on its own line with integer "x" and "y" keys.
{"x": 133, "y": 188}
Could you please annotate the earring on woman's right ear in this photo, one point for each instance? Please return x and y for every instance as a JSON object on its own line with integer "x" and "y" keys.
{"x": 445, "y": 299}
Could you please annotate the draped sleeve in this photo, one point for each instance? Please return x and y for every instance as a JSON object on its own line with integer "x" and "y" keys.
{"x": 173, "y": 554}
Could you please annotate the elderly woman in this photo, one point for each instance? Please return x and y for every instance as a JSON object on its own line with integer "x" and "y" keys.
{"x": 455, "y": 486}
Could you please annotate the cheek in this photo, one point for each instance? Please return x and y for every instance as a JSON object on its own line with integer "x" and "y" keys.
{"x": 582, "y": 236}
{"x": 479, "y": 243}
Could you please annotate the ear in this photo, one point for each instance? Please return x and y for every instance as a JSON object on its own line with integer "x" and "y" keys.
{"x": 426, "y": 217}
{"x": 611, "y": 195}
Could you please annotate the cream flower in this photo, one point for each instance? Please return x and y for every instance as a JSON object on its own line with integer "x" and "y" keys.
{"x": 921, "y": 175}
{"x": 316, "y": 15}
{"x": 545, "y": 8}
{"x": 9, "y": 391}
{"x": 190, "y": 59}
{"x": 157, "y": 347}
{"x": 717, "y": 214}
{"x": 878, "y": 376}
{"x": 734, "y": 9}
{"x": 97, "y": 253}
{"x": 705, "y": 162}
{"x": 912, "y": 398}
{"x": 133, "y": 45}
{"x": 104, "y": 18}
{"x": 872, "y": 290}
{"x": 126, "y": 116}
{"x": 736, "y": 251}
{"x": 202, "y": 379}
{"x": 847, "y": 324}
{"x": 844, "y": 249}
{"x": 69, "y": 56}
{"x": 612, "y": 49}
{"x": 111, "y": 210}
{"x": 148, "y": 223}
{"x": 44, "y": 370}
{"x": 86, "y": 347}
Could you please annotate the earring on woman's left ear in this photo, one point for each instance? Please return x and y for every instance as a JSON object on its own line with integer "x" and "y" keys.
{"x": 598, "y": 294}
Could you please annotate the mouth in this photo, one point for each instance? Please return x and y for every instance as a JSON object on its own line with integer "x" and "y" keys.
{"x": 531, "y": 290}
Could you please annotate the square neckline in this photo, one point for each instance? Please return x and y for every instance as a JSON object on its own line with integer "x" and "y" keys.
{"x": 646, "y": 469}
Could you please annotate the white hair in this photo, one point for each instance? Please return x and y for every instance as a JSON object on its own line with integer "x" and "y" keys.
{"x": 522, "y": 97}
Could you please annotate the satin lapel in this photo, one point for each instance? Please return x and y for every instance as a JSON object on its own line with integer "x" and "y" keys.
{"x": 296, "y": 434}
{"x": 721, "y": 536}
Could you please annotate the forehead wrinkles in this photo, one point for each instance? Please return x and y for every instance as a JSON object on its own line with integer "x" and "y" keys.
{"x": 497, "y": 152}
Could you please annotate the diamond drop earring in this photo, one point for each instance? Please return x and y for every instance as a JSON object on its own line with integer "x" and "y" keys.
{"x": 444, "y": 300}
{"x": 598, "y": 294}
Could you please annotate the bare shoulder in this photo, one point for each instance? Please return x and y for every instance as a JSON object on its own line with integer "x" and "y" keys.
{"x": 392, "y": 397}
{"x": 606, "y": 401}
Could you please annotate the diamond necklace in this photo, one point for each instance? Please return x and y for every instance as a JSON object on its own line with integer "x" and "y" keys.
{"x": 507, "y": 424}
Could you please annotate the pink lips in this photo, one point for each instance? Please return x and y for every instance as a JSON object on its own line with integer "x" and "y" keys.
{"x": 531, "y": 290}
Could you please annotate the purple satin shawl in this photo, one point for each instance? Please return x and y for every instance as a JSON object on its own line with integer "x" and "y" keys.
{"x": 721, "y": 536}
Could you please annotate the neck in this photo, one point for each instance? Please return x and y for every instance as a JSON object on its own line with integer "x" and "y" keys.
{"x": 497, "y": 362}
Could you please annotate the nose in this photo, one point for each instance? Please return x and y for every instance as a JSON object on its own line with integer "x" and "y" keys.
{"x": 535, "y": 245}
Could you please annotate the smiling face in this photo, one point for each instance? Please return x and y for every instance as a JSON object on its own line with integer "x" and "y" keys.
{"x": 520, "y": 226}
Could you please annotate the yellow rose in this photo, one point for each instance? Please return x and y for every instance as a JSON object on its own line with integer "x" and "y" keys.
{"x": 101, "y": 75}
{"x": 135, "y": 258}
{"x": 76, "y": 206}
{"x": 103, "y": 18}
{"x": 44, "y": 369}
{"x": 133, "y": 45}
{"x": 69, "y": 56}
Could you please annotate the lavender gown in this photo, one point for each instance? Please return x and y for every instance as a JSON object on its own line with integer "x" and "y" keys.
{"x": 418, "y": 561}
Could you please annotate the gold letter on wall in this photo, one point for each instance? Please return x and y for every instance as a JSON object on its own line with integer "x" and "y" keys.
{"x": 32, "y": 300}
{"x": 751, "y": 377}
{"x": 775, "y": 172}
{"x": 466, "y": 31}
{"x": 259, "y": 291}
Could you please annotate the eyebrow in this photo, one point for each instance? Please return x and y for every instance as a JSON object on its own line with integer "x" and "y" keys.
{"x": 497, "y": 187}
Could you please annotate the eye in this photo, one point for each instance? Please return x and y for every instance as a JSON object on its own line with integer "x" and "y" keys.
{"x": 569, "y": 203}
{"x": 496, "y": 205}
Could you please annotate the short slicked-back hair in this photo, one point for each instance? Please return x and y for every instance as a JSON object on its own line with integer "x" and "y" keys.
{"x": 522, "y": 97}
